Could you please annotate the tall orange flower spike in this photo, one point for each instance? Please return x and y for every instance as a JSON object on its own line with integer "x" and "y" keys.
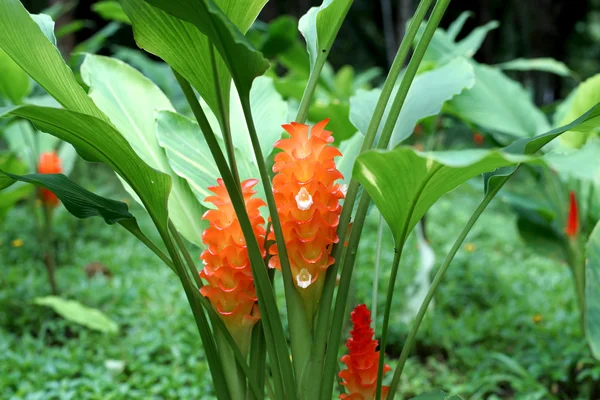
{"x": 227, "y": 268}
{"x": 49, "y": 163}
{"x": 360, "y": 375}
{"x": 308, "y": 204}
{"x": 573, "y": 217}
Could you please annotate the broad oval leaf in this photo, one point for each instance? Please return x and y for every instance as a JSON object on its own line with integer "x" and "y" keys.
{"x": 76, "y": 312}
{"x": 131, "y": 101}
{"x": 405, "y": 183}
{"x": 243, "y": 61}
{"x": 23, "y": 40}
{"x": 14, "y": 82}
{"x": 592, "y": 292}
{"x": 78, "y": 201}
{"x": 90, "y": 135}
{"x": 320, "y": 25}
{"x": 427, "y": 95}
{"x": 544, "y": 64}
{"x": 583, "y": 97}
{"x": 499, "y": 104}
{"x": 190, "y": 157}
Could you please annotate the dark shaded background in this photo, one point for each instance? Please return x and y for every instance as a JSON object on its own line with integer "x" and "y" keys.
{"x": 567, "y": 30}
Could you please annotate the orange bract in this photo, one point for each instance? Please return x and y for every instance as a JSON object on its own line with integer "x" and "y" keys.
{"x": 227, "y": 268}
{"x": 49, "y": 163}
{"x": 360, "y": 375}
{"x": 573, "y": 217}
{"x": 308, "y": 204}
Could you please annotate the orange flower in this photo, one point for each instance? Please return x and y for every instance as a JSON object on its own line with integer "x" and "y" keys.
{"x": 573, "y": 217}
{"x": 49, "y": 163}
{"x": 308, "y": 204}
{"x": 227, "y": 268}
{"x": 478, "y": 138}
{"x": 360, "y": 375}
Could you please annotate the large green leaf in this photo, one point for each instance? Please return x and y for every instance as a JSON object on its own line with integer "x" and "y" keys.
{"x": 77, "y": 200}
{"x": 499, "y": 104}
{"x": 320, "y": 25}
{"x": 427, "y": 94}
{"x": 23, "y": 40}
{"x": 224, "y": 25}
{"x": 131, "y": 101}
{"x": 350, "y": 149}
{"x": 111, "y": 10}
{"x": 189, "y": 156}
{"x": 582, "y": 164}
{"x": 584, "y": 96}
{"x": 76, "y": 312}
{"x": 424, "y": 178}
{"x": 592, "y": 292}
{"x": 545, "y": 64}
{"x": 102, "y": 142}
{"x": 14, "y": 82}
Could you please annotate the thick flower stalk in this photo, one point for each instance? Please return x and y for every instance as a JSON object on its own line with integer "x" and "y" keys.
{"x": 360, "y": 375}
{"x": 572, "y": 226}
{"x": 227, "y": 271}
{"x": 49, "y": 163}
{"x": 308, "y": 203}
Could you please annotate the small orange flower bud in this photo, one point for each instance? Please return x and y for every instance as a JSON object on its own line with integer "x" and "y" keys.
{"x": 478, "y": 138}
{"x": 362, "y": 360}
{"x": 49, "y": 163}
{"x": 308, "y": 203}
{"x": 573, "y": 217}
{"x": 227, "y": 269}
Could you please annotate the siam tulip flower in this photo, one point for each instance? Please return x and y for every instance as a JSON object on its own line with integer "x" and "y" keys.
{"x": 573, "y": 217}
{"x": 49, "y": 163}
{"x": 227, "y": 269}
{"x": 308, "y": 204}
{"x": 362, "y": 360}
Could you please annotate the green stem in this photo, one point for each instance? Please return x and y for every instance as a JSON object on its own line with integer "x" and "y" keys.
{"x": 224, "y": 117}
{"x": 318, "y": 354}
{"x": 376, "y": 272}
{"x": 186, "y": 255}
{"x": 49, "y": 256}
{"x": 411, "y": 339}
{"x": 311, "y": 86}
{"x": 322, "y": 53}
{"x": 267, "y": 302}
{"x": 234, "y": 376}
{"x": 298, "y": 317}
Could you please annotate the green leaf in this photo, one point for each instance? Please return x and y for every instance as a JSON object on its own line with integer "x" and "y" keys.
{"x": 46, "y": 25}
{"x": 457, "y": 25}
{"x": 111, "y": 10}
{"x": 582, "y": 164}
{"x": 189, "y": 156}
{"x": 23, "y": 40}
{"x": 592, "y": 292}
{"x": 76, "y": 312}
{"x": 427, "y": 95}
{"x": 499, "y": 104}
{"x": 425, "y": 178}
{"x": 320, "y": 25}
{"x": 435, "y": 395}
{"x": 224, "y": 27}
{"x": 100, "y": 141}
{"x": 350, "y": 149}
{"x": 77, "y": 200}
{"x": 131, "y": 101}
{"x": 14, "y": 82}
{"x": 583, "y": 97}
{"x": 544, "y": 64}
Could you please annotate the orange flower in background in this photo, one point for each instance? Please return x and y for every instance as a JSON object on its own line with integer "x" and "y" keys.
{"x": 573, "y": 217}
{"x": 49, "y": 163}
{"x": 308, "y": 204}
{"x": 478, "y": 138}
{"x": 360, "y": 375}
{"x": 227, "y": 268}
